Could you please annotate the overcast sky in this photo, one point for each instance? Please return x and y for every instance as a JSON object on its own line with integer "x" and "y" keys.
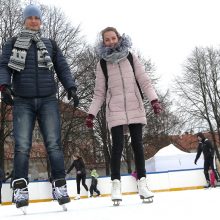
{"x": 166, "y": 31}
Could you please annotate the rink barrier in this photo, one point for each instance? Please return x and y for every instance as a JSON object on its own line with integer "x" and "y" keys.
{"x": 172, "y": 180}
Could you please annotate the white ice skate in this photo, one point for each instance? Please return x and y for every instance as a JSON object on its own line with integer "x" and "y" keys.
{"x": 77, "y": 197}
{"x": 21, "y": 196}
{"x": 116, "y": 192}
{"x": 145, "y": 194}
{"x": 88, "y": 194}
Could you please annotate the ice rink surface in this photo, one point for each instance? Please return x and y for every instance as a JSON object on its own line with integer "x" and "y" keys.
{"x": 187, "y": 204}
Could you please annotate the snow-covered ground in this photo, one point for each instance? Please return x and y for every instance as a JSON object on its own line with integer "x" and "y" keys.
{"x": 181, "y": 205}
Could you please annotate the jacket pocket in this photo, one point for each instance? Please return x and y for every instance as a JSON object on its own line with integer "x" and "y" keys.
{"x": 138, "y": 97}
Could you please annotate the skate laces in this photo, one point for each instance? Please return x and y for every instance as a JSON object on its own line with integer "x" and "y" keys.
{"x": 143, "y": 183}
{"x": 21, "y": 194}
{"x": 116, "y": 187}
{"x": 60, "y": 192}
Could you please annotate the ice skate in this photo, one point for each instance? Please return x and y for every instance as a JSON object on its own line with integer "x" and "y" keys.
{"x": 88, "y": 194}
{"x": 21, "y": 196}
{"x": 116, "y": 195}
{"x": 208, "y": 185}
{"x": 145, "y": 194}
{"x": 77, "y": 197}
{"x": 60, "y": 192}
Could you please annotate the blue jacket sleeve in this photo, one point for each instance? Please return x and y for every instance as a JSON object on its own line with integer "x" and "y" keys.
{"x": 5, "y": 71}
{"x": 63, "y": 71}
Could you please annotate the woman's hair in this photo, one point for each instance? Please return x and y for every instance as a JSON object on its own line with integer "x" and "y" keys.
{"x": 201, "y": 135}
{"x": 110, "y": 29}
{"x": 77, "y": 156}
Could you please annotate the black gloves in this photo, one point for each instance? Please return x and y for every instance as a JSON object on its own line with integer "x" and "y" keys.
{"x": 72, "y": 95}
{"x": 6, "y": 95}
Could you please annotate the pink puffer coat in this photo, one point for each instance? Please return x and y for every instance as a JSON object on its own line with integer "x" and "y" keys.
{"x": 124, "y": 104}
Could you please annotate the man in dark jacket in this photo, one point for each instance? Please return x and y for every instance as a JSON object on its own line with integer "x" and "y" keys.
{"x": 29, "y": 63}
{"x": 205, "y": 147}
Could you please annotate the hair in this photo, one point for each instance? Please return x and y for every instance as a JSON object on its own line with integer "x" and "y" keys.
{"x": 201, "y": 135}
{"x": 110, "y": 29}
{"x": 77, "y": 155}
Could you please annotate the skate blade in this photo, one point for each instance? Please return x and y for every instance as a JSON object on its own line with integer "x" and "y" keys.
{"x": 24, "y": 210}
{"x": 147, "y": 200}
{"x": 116, "y": 202}
{"x": 64, "y": 208}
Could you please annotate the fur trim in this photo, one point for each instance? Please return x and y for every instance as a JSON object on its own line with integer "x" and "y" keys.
{"x": 123, "y": 44}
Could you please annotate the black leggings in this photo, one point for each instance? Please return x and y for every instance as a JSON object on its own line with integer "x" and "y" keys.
{"x": 117, "y": 148}
{"x": 80, "y": 177}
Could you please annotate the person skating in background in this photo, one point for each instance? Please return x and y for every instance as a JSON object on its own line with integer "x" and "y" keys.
{"x": 94, "y": 182}
{"x": 212, "y": 178}
{"x": 124, "y": 104}
{"x": 79, "y": 165}
{"x": 27, "y": 73}
{"x": 205, "y": 146}
{"x": 2, "y": 179}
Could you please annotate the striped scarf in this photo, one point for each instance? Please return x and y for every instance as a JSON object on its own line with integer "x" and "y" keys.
{"x": 22, "y": 44}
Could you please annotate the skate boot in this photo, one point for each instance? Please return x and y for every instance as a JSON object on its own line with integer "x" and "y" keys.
{"x": 88, "y": 193}
{"x": 60, "y": 192}
{"x": 208, "y": 184}
{"x": 20, "y": 192}
{"x": 116, "y": 192}
{"x": 77, "y": 197}
{"x": 145, "y": 194}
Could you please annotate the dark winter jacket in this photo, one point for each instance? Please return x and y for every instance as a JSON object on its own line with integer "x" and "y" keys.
{"x": 34, "y": 81}
{"x": 205, "y": 147}
{"x": 2, "y": 175}
{"x": 79, "y": 165}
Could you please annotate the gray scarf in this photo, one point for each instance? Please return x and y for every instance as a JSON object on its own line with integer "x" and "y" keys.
{"x": 22, "y": 44}
{"x": 119, "y": 52}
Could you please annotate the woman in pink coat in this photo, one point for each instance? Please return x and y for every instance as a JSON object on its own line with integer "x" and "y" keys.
{"x": 124, "y": 105}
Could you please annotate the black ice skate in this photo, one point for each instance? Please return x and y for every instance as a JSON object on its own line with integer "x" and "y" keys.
{"x": 60, "y": 192}
{"x": 145, "y": 194}
{"x": 116, "y": 192}
{"x": 20, "y": 191}
{"x": 208, "y": 185}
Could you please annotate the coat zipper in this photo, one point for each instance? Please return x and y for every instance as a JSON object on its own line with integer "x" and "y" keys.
{"x": 36, "y": 55}
{"x": 123, "y": 85}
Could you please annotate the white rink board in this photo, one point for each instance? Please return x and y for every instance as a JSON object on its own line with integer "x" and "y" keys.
{"x": 41, "y": 190}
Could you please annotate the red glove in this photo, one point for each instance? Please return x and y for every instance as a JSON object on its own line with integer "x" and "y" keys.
{"x": 156, "y": 106}
{"x": 89, "y": 121}
{"x": 2, "y": 88}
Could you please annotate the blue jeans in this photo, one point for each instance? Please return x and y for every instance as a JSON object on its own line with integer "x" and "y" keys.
{"x": 25, "y": 113}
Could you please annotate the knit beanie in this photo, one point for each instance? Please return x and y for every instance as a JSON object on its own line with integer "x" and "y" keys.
{"x": 32, "y": 10}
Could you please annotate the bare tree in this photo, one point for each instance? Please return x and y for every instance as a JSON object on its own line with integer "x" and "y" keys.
{"x": 10, "y": 23}
{"x": 199, "y": 90}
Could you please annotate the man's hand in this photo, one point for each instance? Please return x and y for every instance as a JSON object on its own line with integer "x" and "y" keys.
{"x": 156, "y": 106}
{"x": 6, "y": 95}
{"x": 89, "y": 121}
{"x": 72, "y": 95}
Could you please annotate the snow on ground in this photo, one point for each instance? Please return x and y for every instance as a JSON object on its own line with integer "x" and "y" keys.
{"x": 187, "y": 204}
